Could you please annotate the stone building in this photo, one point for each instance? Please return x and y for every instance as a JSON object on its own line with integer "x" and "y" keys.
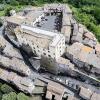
{"x": 85, "y": 93}
{"x": 54, "y": 91}
{"x": 44, "y": 30}
{"x": 49, "y": 44}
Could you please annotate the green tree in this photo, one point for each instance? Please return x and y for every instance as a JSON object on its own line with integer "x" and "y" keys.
{"x": 97, "y": 14}
{"x": 1, "y": 95}
{"x": 14, "y": 2}
{"x": 2, "y": 7}
{"x": 7, "y": 11}
{"x": 22, "y": 96}
{"x": 10, "y": 96}
{"x": 0, "y": 83}
{"x": 6, "y": 89}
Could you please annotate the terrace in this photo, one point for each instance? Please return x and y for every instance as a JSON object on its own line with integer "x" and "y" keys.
{"x": 51, "y": 22}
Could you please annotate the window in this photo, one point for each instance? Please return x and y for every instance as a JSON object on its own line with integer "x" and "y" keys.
{"x": 43, "y": 49}
{"x": 49, "y": 55}
{"x": 51, "y": 61}
{"x": 44, "y": 53}
{"x": 63, "y": 40}
{"x": 32, "y": 43}
{"x": 34, "y": 52}
{"x": 38, "y": 50}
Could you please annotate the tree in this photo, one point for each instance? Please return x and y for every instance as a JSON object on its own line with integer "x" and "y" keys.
{"x": 10, "y": 96}
{"x": 22, "y": 96}
{"x": 6, "y": 89}
{"x": 2, "y": 7}
{"x": 97, "y": 14}
{"x": 7, "y": 11}
{"x": 1, "y": 95}
{"x": 14, "y": 2}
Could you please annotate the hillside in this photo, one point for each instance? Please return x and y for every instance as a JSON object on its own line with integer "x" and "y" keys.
{"x": 84, "y": 11}
{"x": 87, "y": 12}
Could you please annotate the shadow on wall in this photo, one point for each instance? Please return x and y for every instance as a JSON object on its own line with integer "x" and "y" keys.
{"x": 48, "y": 64}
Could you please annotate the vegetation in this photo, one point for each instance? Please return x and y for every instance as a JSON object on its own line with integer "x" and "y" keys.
{"x": 8, "y": 93}
{"x": 9, "y": 96}
{"x": 5, "y": 89}
{"x": 22, "y": 96}
{"x": 5, "y": 8}
{"x": 14, "y": 96}
{"x": 87, "y": 12}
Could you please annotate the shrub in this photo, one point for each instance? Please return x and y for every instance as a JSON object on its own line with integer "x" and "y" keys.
{"x": 96, "y": 14}
{"x": 0, "y": 84}
{"x": 22, "y": 96}
{"x": 10, "y": 96}
{"x": 6, "y": 89}
{"x": 7, "y": 11}
{"x": 1, "y": 95}
{"x": 1, "y": 7}
{"x": 14, "y": 2}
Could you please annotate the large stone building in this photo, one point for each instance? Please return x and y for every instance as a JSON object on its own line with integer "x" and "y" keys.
{"x": 42, "y": 42}
{"x": 45, "y": 29}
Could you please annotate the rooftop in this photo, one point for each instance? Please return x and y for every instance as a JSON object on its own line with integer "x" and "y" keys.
{"x": 85, "y": 93}
{"x": 41, "y": 24}
{"x": 16, "y": 19}
{"x": 38, "y": 31}
{"x": 34, "y": 37}
{"x": 2, "y": 42}
{"x": 25, "y": 17}
{"x": 51, "y": 20}
{"x": 45, "y": 37}
{"x": 14, "y": 64}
